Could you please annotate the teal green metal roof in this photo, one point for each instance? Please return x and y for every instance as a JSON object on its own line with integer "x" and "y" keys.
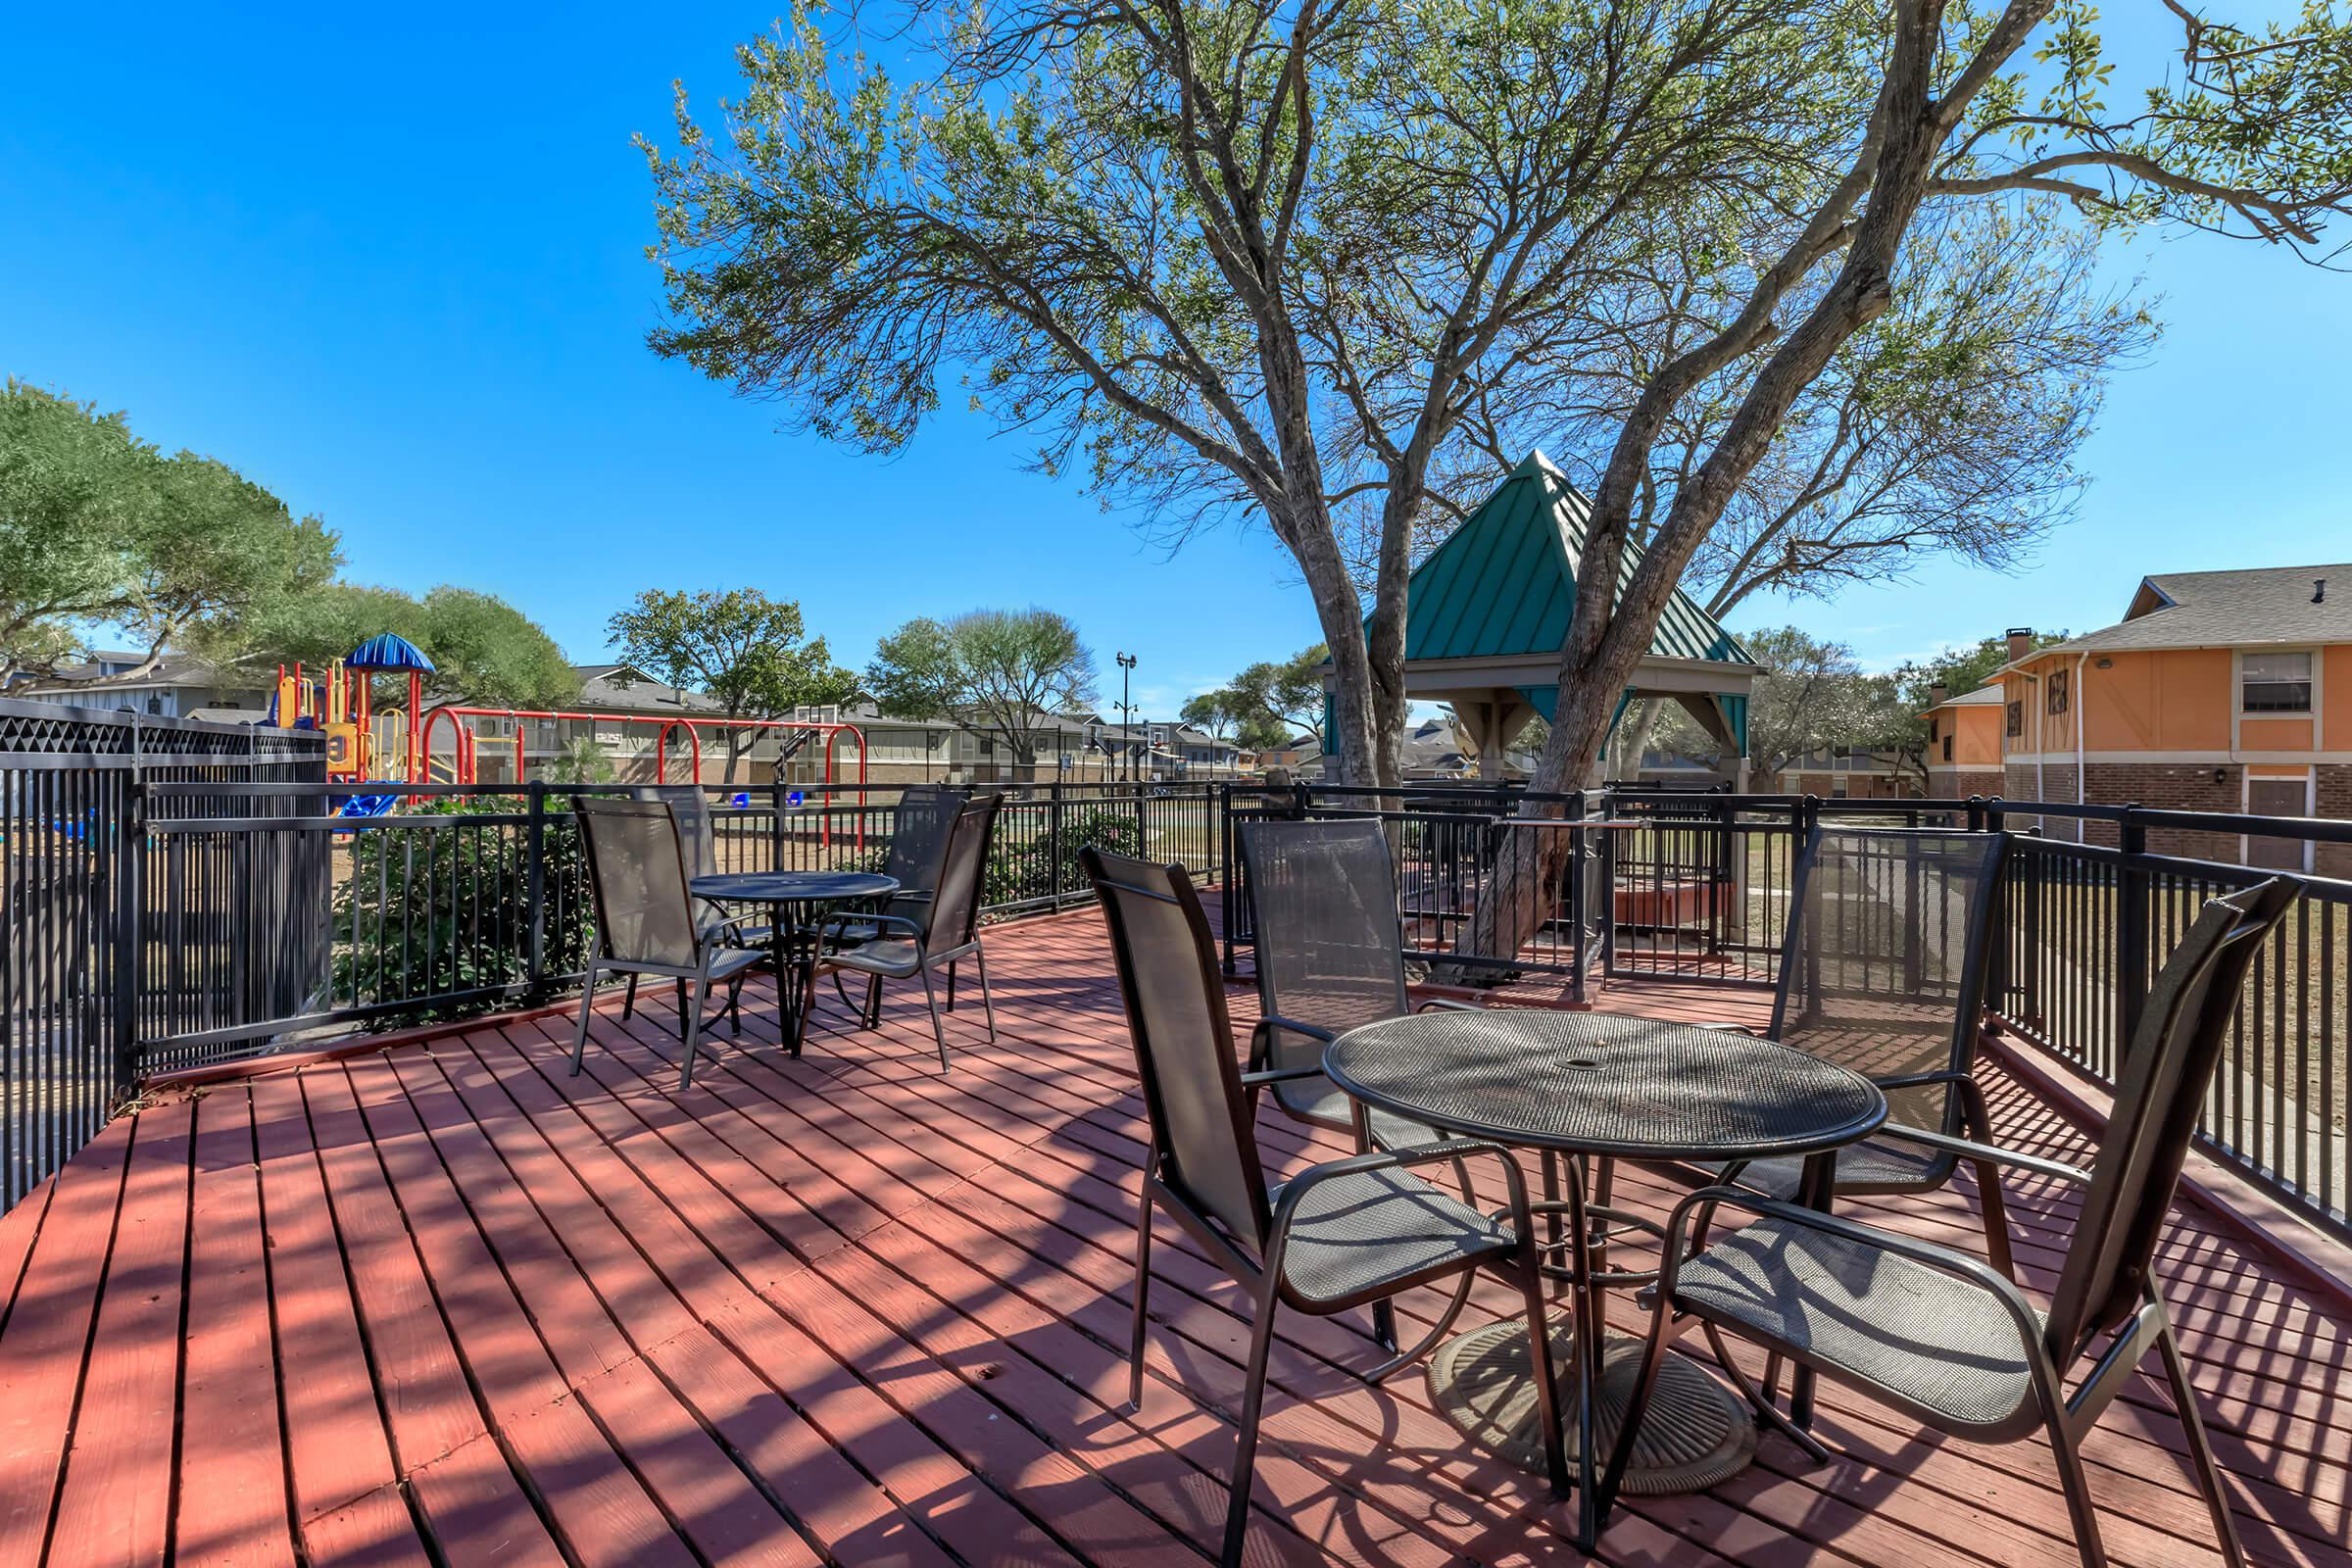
{"x": 1505, "y": 582}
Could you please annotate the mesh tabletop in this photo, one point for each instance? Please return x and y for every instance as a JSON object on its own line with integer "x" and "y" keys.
{"x": 1597, "y": 1084}
{"x": 794, "y": 887}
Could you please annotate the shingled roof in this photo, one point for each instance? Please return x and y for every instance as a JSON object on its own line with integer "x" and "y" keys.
{"x": 2248, "y": 608}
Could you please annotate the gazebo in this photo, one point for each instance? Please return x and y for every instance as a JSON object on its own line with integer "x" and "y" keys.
{"x": 1488, "y": 609}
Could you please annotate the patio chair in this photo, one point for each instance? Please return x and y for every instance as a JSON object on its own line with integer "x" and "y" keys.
{"x": 1330, "y": 956}
{"x": 1935, "y": 1334}
{"x": 646, "y": 921}
{"x": 938, "y": 931}
{"x": 918, "y": 844}
{"x": 1332, "y": 1238}
{"x": 1882, "y": 970}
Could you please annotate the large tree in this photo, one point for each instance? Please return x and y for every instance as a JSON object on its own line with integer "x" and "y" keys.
{"x": 746, "y": 651}
{"x": 1291, "y": 259}
{"x": 995, "y": 672}
{"x": 99, "y": 529}
{"x": 483, "y": 648}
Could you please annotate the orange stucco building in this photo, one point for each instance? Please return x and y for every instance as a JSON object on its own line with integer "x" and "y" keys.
{"x": 1964, "y": 745}
{"x": 2218, "y": 691}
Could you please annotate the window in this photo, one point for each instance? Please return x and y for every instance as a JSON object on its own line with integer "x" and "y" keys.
{"x": 2057, "y": 691}
{"x": 2274, "y": 683}
{"x": 1947, "y": 748}
{"x": 2016, "y": 714}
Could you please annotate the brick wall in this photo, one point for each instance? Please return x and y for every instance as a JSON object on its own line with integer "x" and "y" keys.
{"x": 2333, "y": 789}
{"x": 1959, "y": 783}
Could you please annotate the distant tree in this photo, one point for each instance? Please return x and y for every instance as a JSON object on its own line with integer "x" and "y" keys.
{"x": 1210, "y": 713}
{"x": 1281, "y": 695}
{"x": 483, "y": 648}
{"x": 997, "y": 672}
{"x": 743, "y": 650}
{"x": 99, "y": 529}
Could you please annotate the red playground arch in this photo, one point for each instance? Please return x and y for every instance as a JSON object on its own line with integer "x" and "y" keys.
{"x": 466, "y": 740}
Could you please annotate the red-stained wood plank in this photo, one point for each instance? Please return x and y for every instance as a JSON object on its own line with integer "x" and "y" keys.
{"x": 116, "y": 1507}
{"x": 552, "y": 1249}
{"x": 20, "y": 1227}
{"x": 232, "y": 1485}
{"x": 599, "y": 1508}
{"x": 795, "y": 1308}
{"x": 430, "y": 1407}
{"x": 42, "y": 1350}
{"x": 346, "y": 1499}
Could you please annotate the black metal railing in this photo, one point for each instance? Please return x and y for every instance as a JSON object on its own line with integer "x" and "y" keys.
{"x": 1699, "y": 888}
{"x": 269, "y": 917}
{"x": 79, "y": 956}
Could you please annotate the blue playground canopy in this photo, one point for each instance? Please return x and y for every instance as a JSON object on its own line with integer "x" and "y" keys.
{"x": 388, "y": 651}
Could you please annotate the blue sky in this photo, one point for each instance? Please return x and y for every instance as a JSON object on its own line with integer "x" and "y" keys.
{"x": 390, "y": 264}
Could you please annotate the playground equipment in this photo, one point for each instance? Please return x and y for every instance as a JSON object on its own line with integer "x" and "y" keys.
{"x": 339, "y": 703}
{"x": 466, "y": 739}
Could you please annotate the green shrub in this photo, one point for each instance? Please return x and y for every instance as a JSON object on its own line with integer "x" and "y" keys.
{"x": 428, "y": 911}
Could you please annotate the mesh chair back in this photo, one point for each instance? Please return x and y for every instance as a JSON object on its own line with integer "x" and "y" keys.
{"x": 692, "y": 808}
{"x": 1183, "y": 1040}
{"x": 1883, "y": 966}
{"x": 949, "y": 919}
{"x": 2171, "y": 1061}
{"x": 918, "y": 834}
{"x": 637, "y": 873}
{"x": 1329, "y": 951}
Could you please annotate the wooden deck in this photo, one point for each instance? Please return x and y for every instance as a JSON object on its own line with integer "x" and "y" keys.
{"x": 446, "y": 1305}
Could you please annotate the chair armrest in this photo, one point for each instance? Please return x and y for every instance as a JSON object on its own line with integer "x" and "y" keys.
{"x": 1448, "y": 1003}
{"x": 1751, "y": 1030}
{"x": 1275, "y": 1020}
{"x": 1970, "y": 1149}
{"x": 877, "y": 921}
{"x": 748, "y": 917}
{"x": 1278, "y": 1075}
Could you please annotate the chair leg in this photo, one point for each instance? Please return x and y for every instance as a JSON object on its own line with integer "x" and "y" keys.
{"x": 628, "y": 999}
{"x": 694, "y": 1029}
{"x": 579, "y": 1039}
{"x": 1548, "y": 1381}
{"x": 1142, "y": 1292}
{"x": 735, "y": 1006}
{"x": 682, "y": 1024}
{"x": 939, "y": 1030}
{"x": 871, "y": 1014}
{"x": 1429, "y": 1340}
{"x": 988, "y": 1003}
{"x": 2076, "y": 1486}
{"x": 2200, "y": 1452}
{"x": 1253, "y": 1402}
{"x": 950, "y": 988}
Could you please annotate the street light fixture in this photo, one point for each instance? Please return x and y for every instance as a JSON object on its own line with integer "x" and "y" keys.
{"x": 1127, "y": 712}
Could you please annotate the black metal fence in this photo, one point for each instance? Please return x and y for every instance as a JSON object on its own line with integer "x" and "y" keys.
{"x": 272, "y": 918}
{"x": 82, "y": 970}
{"x": 1697, "y": 887}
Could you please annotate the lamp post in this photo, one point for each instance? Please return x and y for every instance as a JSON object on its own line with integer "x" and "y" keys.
{"x": 1127, "y": 712}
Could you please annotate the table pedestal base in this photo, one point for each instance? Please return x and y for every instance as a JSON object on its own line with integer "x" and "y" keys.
{"x": 1697, "y": 1434}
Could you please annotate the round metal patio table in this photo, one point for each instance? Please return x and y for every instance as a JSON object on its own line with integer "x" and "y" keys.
{"x": 802, "y": 901}
{"x": 1585, "y": 1086}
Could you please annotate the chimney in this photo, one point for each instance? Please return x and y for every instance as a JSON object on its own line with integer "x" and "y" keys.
{"x": 1936, "y": 694}
{"x": 2319, "y": 590}
{"x": 2021, "y": 642}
